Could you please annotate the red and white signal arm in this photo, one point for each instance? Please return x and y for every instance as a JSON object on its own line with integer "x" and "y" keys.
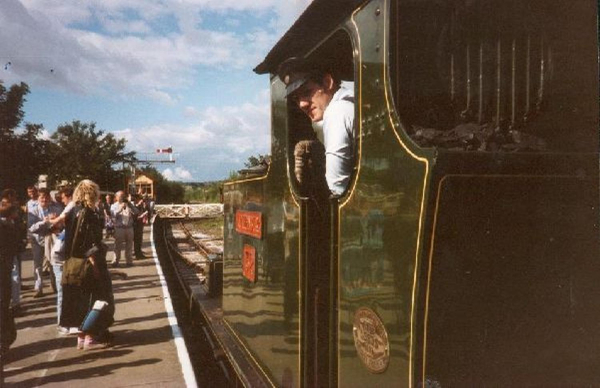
{"x": 164, "y": 150}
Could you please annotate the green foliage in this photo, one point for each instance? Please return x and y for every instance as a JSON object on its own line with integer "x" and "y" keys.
{"x": 75, "y": 151}
{"x": 233, "y": 175}
{"x": 208, "y": 192}
{"x": 254, "y": 161}
{"x": 169, "y": 192}
{"x": 23, "y": 154}
{"x": 83, "y": 152}
{"x": 11, "y": 108}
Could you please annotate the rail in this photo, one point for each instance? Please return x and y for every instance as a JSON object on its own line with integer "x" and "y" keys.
{"x": 205, "y": 210}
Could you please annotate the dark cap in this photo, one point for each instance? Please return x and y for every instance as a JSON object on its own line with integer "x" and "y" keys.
{"x": 294, "y": 72}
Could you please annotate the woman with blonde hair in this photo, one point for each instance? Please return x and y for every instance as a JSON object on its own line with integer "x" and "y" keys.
{"x": 84, "y": 290}
{"x": 86, "y": 193}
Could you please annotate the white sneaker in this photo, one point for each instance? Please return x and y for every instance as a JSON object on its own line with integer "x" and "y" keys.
{"x": 62, "y": 330}
{"x": 74, "y": 331}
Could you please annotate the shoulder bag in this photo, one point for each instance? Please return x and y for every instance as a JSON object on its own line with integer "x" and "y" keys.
{"x": 76, "y": 269}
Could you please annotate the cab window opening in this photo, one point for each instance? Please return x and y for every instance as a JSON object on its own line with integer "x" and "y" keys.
{"x": 320, "y": 110}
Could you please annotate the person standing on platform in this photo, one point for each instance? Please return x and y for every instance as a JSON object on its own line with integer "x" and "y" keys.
{"x": 108, "y": 222}
{"x": 123, "y": 213}
{"x": 37, "y": 250}
{"x": 83, "y": 240}
{"x": 37, "y": 244}
{"x": 57, "y": 258}
{"x": 42, "y": 231}
{"x": 138, "y": 226}
{"x": 9, "y": 246}
{"x": 9, "y": 197}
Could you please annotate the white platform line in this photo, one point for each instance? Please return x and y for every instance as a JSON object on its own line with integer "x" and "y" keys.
{"x": 182, "y": 353}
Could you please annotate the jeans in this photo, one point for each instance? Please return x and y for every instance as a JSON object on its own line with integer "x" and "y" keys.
{"x": 38, "y": 261}
{"x": 58, "y": 269}
{"x": 16, "y": 280}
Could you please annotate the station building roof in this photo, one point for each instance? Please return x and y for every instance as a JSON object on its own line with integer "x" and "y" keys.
{"x": 143, "y": 179}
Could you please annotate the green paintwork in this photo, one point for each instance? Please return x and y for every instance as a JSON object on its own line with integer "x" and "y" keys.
{"x": 264, "y": 314}
{"x": 414, "y": 241}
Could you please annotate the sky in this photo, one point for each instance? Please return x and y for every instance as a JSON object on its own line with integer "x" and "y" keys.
{"x": 159, "y": 73}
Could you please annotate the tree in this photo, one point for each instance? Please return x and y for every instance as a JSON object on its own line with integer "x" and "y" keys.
{"x": 81, "y": 152}
{"x": 23, "y": 153}
{"x": 11, "y": 108}
{"x": 254, "y": 161}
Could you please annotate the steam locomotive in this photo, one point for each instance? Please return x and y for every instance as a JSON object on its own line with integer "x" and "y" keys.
{"x": 465, "y": 250}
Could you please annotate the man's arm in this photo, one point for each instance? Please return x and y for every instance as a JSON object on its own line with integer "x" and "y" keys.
{"x": 133, "y": 208}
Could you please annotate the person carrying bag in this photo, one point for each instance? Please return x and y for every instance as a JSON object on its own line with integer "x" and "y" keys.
{"x": 76, "y": 269}
{"x": 85, "y": 278}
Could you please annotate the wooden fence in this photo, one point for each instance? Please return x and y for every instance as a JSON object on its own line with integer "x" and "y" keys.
{"x": 205, "y": 210}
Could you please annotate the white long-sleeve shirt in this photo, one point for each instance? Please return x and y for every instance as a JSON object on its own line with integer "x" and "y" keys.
{"x": 338, "y": 138}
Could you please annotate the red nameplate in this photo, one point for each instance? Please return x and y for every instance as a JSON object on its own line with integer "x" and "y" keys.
{"x": 249, "y": 262}
{"x": 248, "y": 223}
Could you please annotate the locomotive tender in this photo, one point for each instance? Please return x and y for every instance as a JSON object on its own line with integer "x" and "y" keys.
{"x": 465, "y": 251}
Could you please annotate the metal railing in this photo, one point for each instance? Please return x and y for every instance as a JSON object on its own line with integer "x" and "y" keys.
{"x": 205, "y": 210}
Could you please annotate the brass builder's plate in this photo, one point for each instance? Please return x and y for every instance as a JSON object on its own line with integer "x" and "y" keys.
{"x": 371, "y": 340}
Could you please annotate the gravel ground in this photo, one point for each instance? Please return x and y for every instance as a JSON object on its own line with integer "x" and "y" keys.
{"x": 212, "y": 227}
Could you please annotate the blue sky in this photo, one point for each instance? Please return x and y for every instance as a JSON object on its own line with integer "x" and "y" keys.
{"x": 157, "y": 72}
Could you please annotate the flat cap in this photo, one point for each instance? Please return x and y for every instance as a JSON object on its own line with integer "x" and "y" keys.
{"x": 294, "y": 72}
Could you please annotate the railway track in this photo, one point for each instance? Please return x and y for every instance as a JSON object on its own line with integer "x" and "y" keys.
{"x": 187, "y": 261}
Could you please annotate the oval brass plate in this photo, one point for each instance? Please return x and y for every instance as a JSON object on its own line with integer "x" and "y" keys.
{"x": 371, "y": 340}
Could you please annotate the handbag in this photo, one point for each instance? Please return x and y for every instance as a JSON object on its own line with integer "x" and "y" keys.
{"x": 76, "y": 269}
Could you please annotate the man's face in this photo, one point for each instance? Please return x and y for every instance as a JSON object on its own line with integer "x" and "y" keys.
{"x": 32, "y": 193}
{"x": 5, "y": 202}
{"x": 44, "y": 200}
{"x": 313, "y": 98}
{"x": 64, "y": 199}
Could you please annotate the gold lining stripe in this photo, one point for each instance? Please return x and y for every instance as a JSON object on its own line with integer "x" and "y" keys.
{"x": 226, "y": 322}
{"x": 349, "y": 194}
{"x": 390, "y": 111}
{"x": 433, "y": 230}
{"x": 243, "y": 345}
{"x": 357, "y": 107}
{"x": 301, "y": 298}
{"x": 262, "y": 177}
{"x": 227, "y": 354}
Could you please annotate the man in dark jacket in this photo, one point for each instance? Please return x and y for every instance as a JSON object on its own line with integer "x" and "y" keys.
{"x": 9, "y": 246}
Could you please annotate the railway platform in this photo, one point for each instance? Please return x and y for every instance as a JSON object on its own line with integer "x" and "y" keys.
{"x": 147, "y": 350}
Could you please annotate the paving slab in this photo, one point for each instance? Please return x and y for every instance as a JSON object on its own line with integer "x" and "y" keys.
{"x": 144, "y": 351}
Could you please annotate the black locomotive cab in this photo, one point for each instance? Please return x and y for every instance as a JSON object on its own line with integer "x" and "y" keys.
{"x": 465, "y": 248}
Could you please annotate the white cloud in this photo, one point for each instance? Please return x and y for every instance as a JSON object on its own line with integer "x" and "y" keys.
{"x": 127, "y": 56}
{"x": 236, "y": 129}
{"x": 124, "y": 26}
{"x": 45, "y": 135}
{"x": 287, "y": 12}
{"x": 221, "y": 139}
{"x": 177, "y": 174}
{"x": 190, "y": 111}
{"x": 120, "y": 49}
